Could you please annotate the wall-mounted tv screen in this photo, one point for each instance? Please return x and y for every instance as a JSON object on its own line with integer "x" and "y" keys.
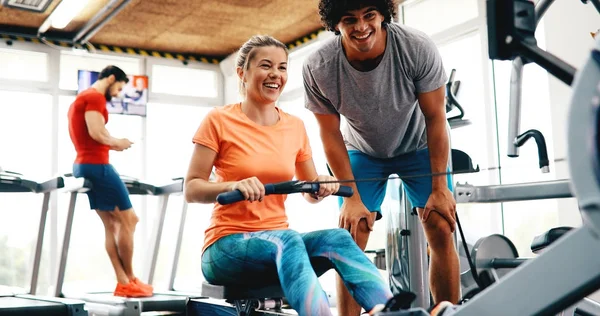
{"x": 131, "y": 101}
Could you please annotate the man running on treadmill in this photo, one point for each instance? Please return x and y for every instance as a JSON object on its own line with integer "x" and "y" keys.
{"x": 109, "y": 197}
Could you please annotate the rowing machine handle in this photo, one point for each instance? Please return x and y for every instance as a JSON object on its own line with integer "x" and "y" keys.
{"x": 237, "y": 196}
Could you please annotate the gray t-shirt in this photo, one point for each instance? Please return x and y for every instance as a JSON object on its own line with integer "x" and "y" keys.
{"x": 380, "y": 106}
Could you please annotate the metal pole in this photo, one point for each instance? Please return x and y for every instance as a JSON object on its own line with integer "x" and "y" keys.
{"x": 97, "y": 28}
{"x": 514, "y": 110}
{"x": 156, "y": 237}
{"x": 516, "y": 85}
{"x": 38, "y": 246}
{"x": 596, "y": 4}
{"x": 65, "y": 248}
{"x": 417, "y": 257}
{"x": 178, "y": 247}
{"x": 541, "y": 8}
{"x": 88, "y": 26}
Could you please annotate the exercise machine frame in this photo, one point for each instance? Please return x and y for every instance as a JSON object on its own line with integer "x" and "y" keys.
{"x": 30, "y": 303}
{"x": 106, "y": 303}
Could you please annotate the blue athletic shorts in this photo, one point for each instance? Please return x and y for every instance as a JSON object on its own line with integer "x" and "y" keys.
{"x": 108, "y": 190}
{"x": 372, "y": 193}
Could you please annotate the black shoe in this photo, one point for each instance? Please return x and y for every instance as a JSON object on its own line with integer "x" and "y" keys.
{"x": 400, "y": 301}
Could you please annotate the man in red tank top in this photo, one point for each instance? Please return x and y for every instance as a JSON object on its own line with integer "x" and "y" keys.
{"x": 109, "y": 196}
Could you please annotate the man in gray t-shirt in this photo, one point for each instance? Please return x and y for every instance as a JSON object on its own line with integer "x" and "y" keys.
{"x": 387, "y": 81}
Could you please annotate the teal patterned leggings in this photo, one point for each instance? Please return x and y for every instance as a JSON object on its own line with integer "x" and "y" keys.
{"x": 296, "y": 260}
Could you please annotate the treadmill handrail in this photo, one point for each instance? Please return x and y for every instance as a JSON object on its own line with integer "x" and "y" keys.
{"x": 139, "y": 188}
{"x": 25, "y": 185}
{"x": 176, "y": 187}
{"x": 18, "y": 185}
{"x": 135, "y": 187}
{"x": 79, "y": 185}
{"x": 51, "y": 185}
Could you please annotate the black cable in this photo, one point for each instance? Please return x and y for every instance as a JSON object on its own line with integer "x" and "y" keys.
{"x": 471, "y": 264}
{"x": 475, "y": 170}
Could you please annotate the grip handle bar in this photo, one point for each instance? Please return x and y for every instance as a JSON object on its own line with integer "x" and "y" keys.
{"x": 287, "y": 187}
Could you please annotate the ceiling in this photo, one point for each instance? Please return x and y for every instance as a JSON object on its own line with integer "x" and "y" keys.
{"x": 206, "y": 29}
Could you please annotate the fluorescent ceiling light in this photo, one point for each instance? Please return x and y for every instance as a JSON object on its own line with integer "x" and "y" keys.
{"x": 65, "y": 12}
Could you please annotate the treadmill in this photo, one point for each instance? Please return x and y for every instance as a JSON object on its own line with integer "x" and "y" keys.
{"x": 29, "y": 304}
{"x": 167, "y": 190}
{"x": 105, "y": 303}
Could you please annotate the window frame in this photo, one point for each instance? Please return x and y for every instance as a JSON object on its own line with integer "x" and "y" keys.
{"x": 166, "y": 98}
{"x": 29, "y": 85}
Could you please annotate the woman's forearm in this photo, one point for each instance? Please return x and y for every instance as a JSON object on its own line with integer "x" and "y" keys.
{"x": 202, "y": 191}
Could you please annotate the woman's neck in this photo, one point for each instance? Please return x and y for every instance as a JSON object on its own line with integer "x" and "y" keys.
{"x": 265, "y": 114}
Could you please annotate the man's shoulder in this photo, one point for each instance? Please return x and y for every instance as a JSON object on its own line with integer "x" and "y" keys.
{"x": 325, "y": 54}
{"x": 403, "y": 34}
{"x": 91, "y": 94}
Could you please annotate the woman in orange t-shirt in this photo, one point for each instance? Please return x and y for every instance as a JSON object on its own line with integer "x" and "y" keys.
{"x": 255, "y": 142}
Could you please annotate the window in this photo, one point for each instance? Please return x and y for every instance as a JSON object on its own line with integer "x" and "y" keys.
{"x": 433, "y": 16}
{"x": 26, "y": 148}
{"x": 478, "y": 140}
{"x": 524, "y": 220}
{"x": 294, "y": 71}
{"x": 87, "y": 252}
{"x": 184, "y": 81}
{"x": 296, "y": 61}
{"x": 70, "y": 63}
{"x": 23, "y": 65}
{"x": 170, "y": 129}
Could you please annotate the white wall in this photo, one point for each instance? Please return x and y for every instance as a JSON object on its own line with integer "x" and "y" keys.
{"x": 568, "y": 25}
{"x": 230, "y": 80}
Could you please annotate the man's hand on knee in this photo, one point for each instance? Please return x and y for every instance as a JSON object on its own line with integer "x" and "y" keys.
{"x": 437, "y": 225}
{"x": 351, "y": 214}
{"x": 441, "y": 202}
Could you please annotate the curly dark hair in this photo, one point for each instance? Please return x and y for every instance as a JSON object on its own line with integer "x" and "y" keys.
{"x": 331, "y": 11}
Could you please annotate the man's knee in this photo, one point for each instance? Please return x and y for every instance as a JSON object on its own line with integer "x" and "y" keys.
{"x": 438, "y": 231}
{"x": 111, "y": 225}
{"x": 362, "y": 234}
{"x": 128, "y": 218}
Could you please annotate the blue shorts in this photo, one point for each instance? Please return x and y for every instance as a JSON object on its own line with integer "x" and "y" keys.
{"x": 372, "y": 193}
{"x": 108, "y": 189}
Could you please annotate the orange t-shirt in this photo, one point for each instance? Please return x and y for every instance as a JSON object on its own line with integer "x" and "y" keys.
{"x": 245, "y": 149}
{"x": 89, "y": 151}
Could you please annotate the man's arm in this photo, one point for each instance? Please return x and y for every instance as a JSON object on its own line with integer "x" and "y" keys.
{"x": 352, "y": 210}
{"x": 434, "y": 110}
{"x": 335, "y": 150}
{"x": 95, "y": 125}
{"x": 441, "y": 200}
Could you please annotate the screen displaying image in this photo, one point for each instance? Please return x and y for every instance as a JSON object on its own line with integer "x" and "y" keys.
{"x": 131, "y": 101}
